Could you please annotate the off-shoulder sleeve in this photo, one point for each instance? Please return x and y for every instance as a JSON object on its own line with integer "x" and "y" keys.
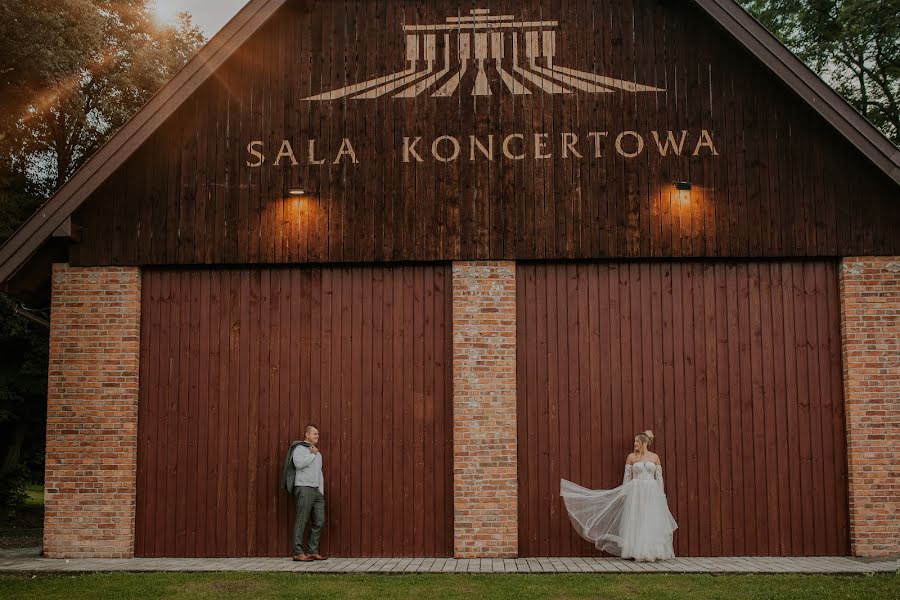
{"x": 657, "y": 475}
{"x": 628, "y": 475}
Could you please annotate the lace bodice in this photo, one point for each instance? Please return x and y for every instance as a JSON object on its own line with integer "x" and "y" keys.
{"x": 644, "y": 470}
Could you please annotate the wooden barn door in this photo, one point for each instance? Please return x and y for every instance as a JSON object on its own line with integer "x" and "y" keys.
{"x": 736, "y": 368}
{"x": 235, "y": 362}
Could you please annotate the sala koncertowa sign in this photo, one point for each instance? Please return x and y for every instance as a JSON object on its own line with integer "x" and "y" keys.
{"x": 480, "y": 54}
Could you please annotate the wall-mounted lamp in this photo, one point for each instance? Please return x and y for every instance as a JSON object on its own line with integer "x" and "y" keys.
{"x": 683, "y": 192}
{"x": 297, "y": 192}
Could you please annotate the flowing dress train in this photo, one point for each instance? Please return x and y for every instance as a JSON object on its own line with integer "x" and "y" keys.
{"x": 631, "y": 521}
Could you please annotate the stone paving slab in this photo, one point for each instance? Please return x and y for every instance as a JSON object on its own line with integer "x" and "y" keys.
{"x": 735, "y": 564}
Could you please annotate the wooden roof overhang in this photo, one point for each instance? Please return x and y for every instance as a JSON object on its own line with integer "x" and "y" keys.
{"x": 37, "y": 231}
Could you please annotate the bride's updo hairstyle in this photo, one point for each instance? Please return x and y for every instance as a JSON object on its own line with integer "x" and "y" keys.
{"x": 645, "y": 437}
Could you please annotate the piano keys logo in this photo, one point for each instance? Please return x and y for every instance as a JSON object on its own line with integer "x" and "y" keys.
{"x": 457, "y": 57}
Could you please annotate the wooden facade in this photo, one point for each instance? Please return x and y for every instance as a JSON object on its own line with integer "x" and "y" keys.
{"x": 737, "y": 368}
{"x": 235, "y": 362}
{"x": 782, "y": 182}
{"x": 295, "y": 197}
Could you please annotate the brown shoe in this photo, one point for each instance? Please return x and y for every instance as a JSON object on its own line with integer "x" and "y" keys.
{"x": 303, "y": 557}
{"x": 317, "y": 557}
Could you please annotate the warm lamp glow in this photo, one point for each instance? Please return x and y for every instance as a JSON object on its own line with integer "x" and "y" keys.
{"x": 683, "y": 191}
{"x": 297, "y": 192}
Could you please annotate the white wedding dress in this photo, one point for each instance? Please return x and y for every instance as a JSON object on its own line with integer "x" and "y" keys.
{"x": 631, "y": 521}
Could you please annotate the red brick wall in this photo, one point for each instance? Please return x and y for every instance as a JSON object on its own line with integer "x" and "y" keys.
{"x": 870, "y": 324}
{"x": 92, "y": 412}
{"x": 484, "y": 410}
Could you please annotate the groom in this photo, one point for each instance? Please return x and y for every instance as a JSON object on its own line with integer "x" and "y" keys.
{"x": 309, "y": 488}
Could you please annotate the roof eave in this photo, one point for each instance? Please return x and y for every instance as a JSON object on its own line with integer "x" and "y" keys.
{"x": 806, "y": 83}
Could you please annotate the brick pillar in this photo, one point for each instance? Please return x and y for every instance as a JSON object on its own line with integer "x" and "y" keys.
{"x": 92, "y": 412}
{"x": 870, "y": 332}
{"x": 485, "y": 466}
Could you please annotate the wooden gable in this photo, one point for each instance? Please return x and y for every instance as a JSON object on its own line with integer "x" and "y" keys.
{"x": 500, "y": 130}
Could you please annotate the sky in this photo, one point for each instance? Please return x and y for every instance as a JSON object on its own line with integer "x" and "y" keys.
{"x": 209, "y": 15}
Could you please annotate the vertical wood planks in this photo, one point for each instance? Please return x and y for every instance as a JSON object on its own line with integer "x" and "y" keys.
{"x": 236, "y": 362}
{"x": 742, "y": 391}
{"x": 783, "y": 182}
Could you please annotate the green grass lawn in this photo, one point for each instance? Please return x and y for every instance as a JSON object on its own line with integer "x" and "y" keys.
{"x": 217, "y": 586}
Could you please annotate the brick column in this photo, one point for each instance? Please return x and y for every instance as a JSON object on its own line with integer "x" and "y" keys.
{"x": 485, "y": 466}
{"x": 870, "y": 332}
{"x": 92, "y": 412}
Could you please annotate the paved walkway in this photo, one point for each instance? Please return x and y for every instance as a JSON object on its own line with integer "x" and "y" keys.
{"x": 830, "y": 564}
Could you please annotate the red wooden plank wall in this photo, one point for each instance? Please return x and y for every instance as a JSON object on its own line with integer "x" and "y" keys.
{"x": 735, "y": 366}
{"x": 235, "y": 362}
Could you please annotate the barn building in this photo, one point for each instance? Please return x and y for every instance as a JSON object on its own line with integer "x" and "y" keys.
{"x": 481, "y": 246}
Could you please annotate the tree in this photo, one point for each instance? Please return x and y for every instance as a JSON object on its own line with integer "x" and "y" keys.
{"x": 23, "y": 402}
{"x": 72, "y": 72}
{"x": 98, "y": 61}
{"x": 853, "y": 44}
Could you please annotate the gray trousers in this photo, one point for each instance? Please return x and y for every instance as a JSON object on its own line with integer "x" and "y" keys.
{"x": 310, "y": 505}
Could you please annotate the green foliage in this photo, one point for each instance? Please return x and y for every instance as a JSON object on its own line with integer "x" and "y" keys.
{"x": 13, "y": 489}
{"x": 72, "y": 72}
{"x": 23, "y": 404}
{"x": 42, "y": 45}
{"x": 76, "y": 71}
{"x": 16, "y": 204}
{"x": 854, "y": 45}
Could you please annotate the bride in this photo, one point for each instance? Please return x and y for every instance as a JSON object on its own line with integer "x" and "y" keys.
{"x": 632, "y": 520}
